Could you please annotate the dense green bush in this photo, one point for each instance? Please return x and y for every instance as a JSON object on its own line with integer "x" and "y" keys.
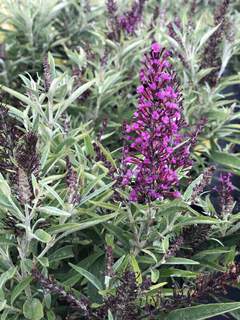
{"x": 82, "y": 235}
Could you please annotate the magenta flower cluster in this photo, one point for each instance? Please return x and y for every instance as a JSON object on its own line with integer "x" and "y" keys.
{"x": 155, "y": 149}
{"x": 225, "y": 180}
{"x": 130, "y": 19}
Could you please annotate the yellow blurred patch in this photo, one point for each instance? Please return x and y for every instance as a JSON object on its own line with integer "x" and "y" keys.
{"x": 60, "y": 61}
{"x": 5, "y": 25}
{"x": 203, "y": 146}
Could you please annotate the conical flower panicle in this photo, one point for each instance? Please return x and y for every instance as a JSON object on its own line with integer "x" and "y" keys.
{"x": 155, "y": 149}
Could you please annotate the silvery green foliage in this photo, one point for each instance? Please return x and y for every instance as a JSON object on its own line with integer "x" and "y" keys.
{"x": 72, "y": 245}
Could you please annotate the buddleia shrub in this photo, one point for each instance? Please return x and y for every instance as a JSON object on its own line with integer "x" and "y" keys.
{"x": 118, "y": 163}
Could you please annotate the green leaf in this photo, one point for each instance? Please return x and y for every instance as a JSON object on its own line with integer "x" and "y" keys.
{"x": 226, "y": 159}
{"x": 89, "y": 276}
{"x": 19, "y": 288}
{"x": 51, "y": 315}
{"x": 47, "y": 300}
{"x": 4, "y": 201}
{"x": 155, "y": 288}
{"x": 2, "y": 304}
{"x": 198, "y": 220}
{"x": 211, "y": 252}
{"x": 96, "y": 193}
{"x": 177, "y": 273}
{"x": 188, "y": 193}
{"x": 89, "y": 146}
{"x": 17, "y": 95}
{"x": 62, "y": 253}
{"x": 4, "y": 187}
{"x": 74, "y": 277}
{"x": 42, "y": 236}
{"x": 184, "y": 261}
{"x": 107, "y": 154}
{"x": 74, "y": 97}
{"x": 43, "y": 261}
{"x": 151, "y": 254}
{"x": 136, "y": 269}
{"x": 4, "y": 315}
{"x": 6, "y": 276}
{"x": 55, "y": 195}
{"x": 119, "y": 234}
{"x": 204, "y": 311}
{"x": 33, "y": 309}
{"x": 119, "y": 263}
{"x": 73, "y": 227}
{"x": 110, "y": 316}
{"x": 154, "y": 275}
{"x": 67, "y": 142}
{"x": 130, "y": 47}
{"x": 172, "y": 207}
{"x": 206, "y": 36}
{"x": 165, "y": 244}
{"x": 54, "y": 211}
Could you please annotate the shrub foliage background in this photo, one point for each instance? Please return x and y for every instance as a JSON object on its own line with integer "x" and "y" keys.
{"x": 75, "y": 242}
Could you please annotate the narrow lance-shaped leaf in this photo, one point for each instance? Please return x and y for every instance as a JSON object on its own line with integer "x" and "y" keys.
{"x": 226, "y": 159}
{"x": 201, "y": 312}
{"x": 96, "y": 193}
{"x": 22, "y": 285}
{"x": 73, "y": 227}
{"x": 206, "y": 36}
{"x": 73, "y": 97}
{"x": 7, "y": 276}
{"x": 136, "y": 269}
{"x": 89, "y": 276}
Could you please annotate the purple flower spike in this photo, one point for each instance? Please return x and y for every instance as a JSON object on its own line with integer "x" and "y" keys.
{"x": 130, "y": 19}
{"x": 226, "y": 187}
{"x": 111, "y": 7}
{"x": 128, "y": 22}
{"x": 155, "y": 148}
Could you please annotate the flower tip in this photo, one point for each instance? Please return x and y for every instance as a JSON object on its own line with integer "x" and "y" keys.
{"x": 140, "y": 89}
{"x": 156, "y": 47}
{"x": 176, "y": 194}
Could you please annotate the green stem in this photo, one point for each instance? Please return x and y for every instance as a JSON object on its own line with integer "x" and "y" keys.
{"x": 135, "y": 232}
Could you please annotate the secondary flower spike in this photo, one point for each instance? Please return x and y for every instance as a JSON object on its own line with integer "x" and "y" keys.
{"x": 155, "y": 149}
{"x": 130, "y": 20}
